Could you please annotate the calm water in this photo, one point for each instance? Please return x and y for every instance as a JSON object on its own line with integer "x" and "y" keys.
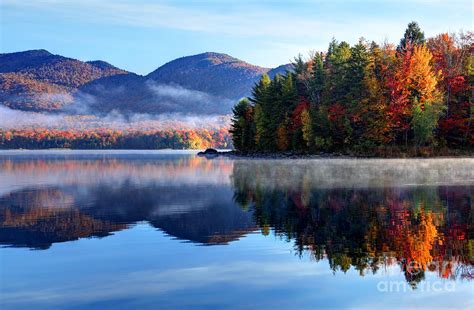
{"x": 170, "y": 230}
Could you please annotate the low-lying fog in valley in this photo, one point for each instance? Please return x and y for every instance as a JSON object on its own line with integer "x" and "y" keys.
{"x": 15, "y": 119}
{"x": 170, "y": 107}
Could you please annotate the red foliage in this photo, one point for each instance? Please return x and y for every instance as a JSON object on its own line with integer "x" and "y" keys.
{"x": 336, "y": 112}
{"x": 303, "y": 104}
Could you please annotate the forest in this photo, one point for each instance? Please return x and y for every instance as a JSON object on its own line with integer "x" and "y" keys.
{"x": 367, "y": 99}
{"x": 44, "y": 138}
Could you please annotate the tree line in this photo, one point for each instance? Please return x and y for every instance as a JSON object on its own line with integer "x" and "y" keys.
{"x": 40, "y": 138}
{"x": 365, "y": 99}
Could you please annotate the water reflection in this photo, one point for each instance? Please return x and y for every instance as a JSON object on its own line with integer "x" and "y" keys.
{"x": 50, "y": 200}
{"x": 421, "y": 228}
{"x": 364, "y": 215}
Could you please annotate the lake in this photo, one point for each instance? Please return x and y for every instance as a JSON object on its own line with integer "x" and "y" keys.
{"x": 168, "y": 229}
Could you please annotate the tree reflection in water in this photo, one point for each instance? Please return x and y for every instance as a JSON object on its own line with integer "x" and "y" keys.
{"x": 352, "y": 225}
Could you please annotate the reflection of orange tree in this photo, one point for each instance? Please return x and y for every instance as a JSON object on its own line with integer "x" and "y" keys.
{"x": 67, "y": 223}
{"x": 412, "y": 239}
{"x": 365, "y": 229}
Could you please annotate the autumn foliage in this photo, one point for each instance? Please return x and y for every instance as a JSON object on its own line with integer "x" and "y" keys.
{"x": 369, "y": 99}
{"x": 113, "y": 139}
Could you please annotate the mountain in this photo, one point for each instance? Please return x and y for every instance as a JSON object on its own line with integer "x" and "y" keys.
{"x": 280, "y": 70}
{"x": 219, "y": 74}
{"x": 103, "y": 65}
{"x": 38, "y": 80}
{"x": 207, "y": 83}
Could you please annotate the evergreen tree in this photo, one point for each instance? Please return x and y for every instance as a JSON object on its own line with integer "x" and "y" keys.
{"x": 357, "y": 95}
{"x": 289, "y": 96}
{"x": 242, "y": 126}
{"x": 263, "y": 122}
{"x": 413, "y": 36}
{"x": 302, "y": 75}
{"x": 336, "y": 63}
{"x": 274, "y": 110}
{"x": 357, "y": 70}
{"x": 317, "y": 79}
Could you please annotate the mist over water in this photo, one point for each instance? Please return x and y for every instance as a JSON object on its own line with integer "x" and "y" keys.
{"x": 369, "y": 173}
{"x": 272, "y": 174}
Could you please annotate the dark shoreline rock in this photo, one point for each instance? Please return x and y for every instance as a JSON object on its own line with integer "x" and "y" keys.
{"x": 209, "y": 153}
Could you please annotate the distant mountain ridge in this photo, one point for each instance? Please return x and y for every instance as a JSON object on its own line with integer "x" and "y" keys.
{"x": 207, "y": 83}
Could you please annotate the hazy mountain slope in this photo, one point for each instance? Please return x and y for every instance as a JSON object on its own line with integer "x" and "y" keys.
{"x": 124, "y": 92}
{"x": 136, "y": 94}
{"x": 208, "y": 83}
{"x": 18, "y": 91}
{"x": 213, "y": 73}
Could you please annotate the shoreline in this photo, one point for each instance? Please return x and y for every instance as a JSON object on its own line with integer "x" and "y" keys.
{"x": 336, "y": 155}
{"x": 212, "y": 153}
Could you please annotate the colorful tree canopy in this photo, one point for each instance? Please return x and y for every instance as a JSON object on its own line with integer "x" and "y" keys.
{"x": 366, "y": 99}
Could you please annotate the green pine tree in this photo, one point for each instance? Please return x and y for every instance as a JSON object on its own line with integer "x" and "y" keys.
{"x": 242, "y": 126}
{"x": 261, "y": 94}
{"x": 413, "y": 36}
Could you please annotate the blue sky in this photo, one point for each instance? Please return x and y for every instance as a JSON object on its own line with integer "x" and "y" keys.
{"x": 141, "y": 35}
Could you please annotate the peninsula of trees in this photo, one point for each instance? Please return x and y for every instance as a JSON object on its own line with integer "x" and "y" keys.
{"x": 366, "y": 99}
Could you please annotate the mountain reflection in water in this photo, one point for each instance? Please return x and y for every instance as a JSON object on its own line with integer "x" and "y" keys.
{"x": 361, "y": 214}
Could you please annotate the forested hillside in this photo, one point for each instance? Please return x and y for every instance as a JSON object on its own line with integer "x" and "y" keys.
{"x": 365, "y": 99}
{"x": 40, "y": 81}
